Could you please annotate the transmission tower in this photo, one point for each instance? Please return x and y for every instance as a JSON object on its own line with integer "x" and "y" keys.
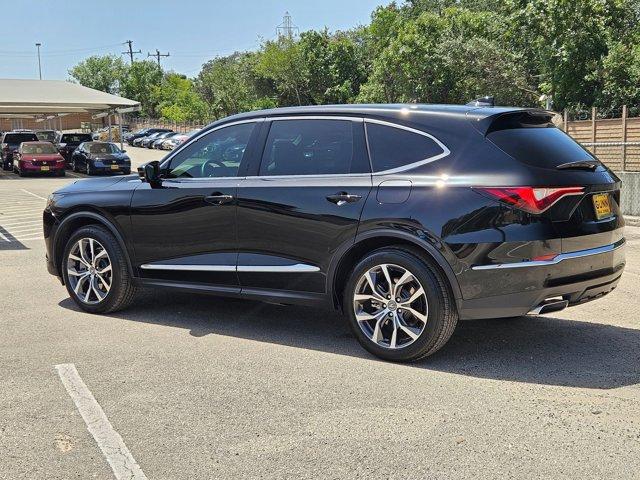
{"x": 287, "y": 29}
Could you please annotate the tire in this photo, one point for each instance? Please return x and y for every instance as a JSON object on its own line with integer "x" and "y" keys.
{"x": 89, "y": 170}
{"x": 436, "y": 305}
{"x": 126, "y": 171}
{"x": 121, "y": 291}
{"x": 74, "y": 166}
{"x": 61, "y": 173}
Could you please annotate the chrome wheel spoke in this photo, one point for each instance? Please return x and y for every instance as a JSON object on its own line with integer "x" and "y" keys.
{"x": 78, "y": 259}
{"x": 387, "y": 277}
{"x": 92, "y": 250}
{"x": 77, "y": 273}
{"x": 420, "y": 316}
{"x": 105, "y": 284}
{"x": 416, "y": 295}
{"x": 406, "y": 276}
{"x": 104, "y": 270}
{"x": 394, "y": 334}
{"x": 412, "y": 332}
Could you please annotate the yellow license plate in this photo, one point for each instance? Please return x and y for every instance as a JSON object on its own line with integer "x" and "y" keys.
{"x": 602, "y": 205}
{"x": 114, "y": 167}
{"x": 44, "y": 169}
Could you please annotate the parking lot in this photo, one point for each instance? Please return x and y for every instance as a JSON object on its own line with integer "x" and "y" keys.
{"x": 203, "y": 387}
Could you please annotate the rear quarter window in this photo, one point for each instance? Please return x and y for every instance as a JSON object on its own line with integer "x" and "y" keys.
{"x": 544, "y": 147}
{"x": 394, "y": 148}
{"x": 75, "y": 138}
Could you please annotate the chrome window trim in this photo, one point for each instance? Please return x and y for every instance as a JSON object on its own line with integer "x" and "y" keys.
{"x": 445, "y": 150}
{"x": 557, "y": 259}
{"x": 296, "y": 268}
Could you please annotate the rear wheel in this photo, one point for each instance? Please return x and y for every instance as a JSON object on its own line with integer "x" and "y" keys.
{"x": 74, "y": 166}
{"x": 90, "y": 171}
{"x": 95, "y": 271}
{"x": 399, "y": 307}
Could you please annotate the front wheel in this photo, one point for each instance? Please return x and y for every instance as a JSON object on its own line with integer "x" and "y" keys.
{"x": 95, "y": 271}
{"x": 399, "y": 306}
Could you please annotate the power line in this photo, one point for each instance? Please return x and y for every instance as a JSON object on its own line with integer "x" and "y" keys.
{"x": 130, "y": 52}
{"x": 157, "y": 55}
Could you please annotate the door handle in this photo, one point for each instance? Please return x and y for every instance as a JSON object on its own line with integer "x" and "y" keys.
{"x": 342, "y": 198}
{"x": 218, "y": 199}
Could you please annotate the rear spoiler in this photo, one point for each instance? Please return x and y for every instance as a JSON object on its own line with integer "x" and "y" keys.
{"x": 487, "y": 120}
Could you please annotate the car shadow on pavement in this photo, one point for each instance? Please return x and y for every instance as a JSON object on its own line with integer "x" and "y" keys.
{"x": 540, "y": 350}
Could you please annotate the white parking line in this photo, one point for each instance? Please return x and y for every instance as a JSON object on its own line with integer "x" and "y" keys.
{"x": 110, "y": 442}
{"x": 31, "y": 193}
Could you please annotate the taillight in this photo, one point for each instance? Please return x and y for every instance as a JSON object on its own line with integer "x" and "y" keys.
{"x": 530, "y": 199}
{"x": 5, "y": 147}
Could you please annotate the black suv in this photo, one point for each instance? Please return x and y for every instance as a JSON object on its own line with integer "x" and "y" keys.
{"x": 9, "y": 144}
{"x": 68, "y": 142}
{"x": 405, "y": 218}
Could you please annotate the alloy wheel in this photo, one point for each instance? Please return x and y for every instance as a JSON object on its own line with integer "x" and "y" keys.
{"x": 89, "y": 271}
{"x": 390, "y": 306}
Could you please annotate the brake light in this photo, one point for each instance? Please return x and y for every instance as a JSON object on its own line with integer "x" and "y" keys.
{"x": 534, "y": 200}
{"x": 5, "y": 146}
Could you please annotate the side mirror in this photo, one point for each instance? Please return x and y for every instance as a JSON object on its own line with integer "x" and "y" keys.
{"x": 123, "y": 151}
{"x": 150, "y": 173}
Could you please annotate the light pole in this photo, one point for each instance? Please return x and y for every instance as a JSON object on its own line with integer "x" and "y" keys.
{"x": 39, "y": 65}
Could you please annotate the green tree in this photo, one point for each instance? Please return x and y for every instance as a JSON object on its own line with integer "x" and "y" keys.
{"x": 177, "y": 99}
{"x": 103, "y": 73}
{"x": 139, "y": 83}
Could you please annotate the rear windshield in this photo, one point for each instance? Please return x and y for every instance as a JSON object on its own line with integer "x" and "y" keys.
{"x": 75, "y": 138}
{"x": 103, "y": 148}
{"x": 39, "y": 149}
{"x": 46, "y": 136}
{"x": 17, "y": 138}
{"x": 544, "y": 147}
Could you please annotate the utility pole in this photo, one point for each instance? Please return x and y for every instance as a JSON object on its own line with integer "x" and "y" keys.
{"x": 130, "y": 52}
{"x": 157, "y": 55}
{"x": 39, "y": 64}
{"x": 286, "y": 28}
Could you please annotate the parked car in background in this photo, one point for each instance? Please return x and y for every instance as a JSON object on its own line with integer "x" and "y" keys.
{"x": 404, "y": 218}
{"x": 68, "y": 142}
{"x": 9, "y": 145}
{"x": 130, "y": 138}
{"x": 38, "y": 157}
{"x": 100, "y": 157}
{"x": 147, "y": 141}
{"x": 177, "y": 139}
{"x": 46, "y": 135}
{"x": 158, "y": 141}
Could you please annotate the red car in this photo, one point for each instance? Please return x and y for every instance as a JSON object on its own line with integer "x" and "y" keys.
{"x": 38, "y": 157}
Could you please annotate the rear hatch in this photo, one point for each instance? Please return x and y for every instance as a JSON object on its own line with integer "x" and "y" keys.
{"x": 13, "y": 140}
{"x": 587, "y": 212}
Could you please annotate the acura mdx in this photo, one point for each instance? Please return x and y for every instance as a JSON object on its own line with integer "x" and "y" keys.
{"x": 405, "y": 218}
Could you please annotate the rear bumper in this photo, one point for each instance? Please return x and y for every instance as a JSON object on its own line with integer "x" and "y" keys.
{"x": 577, "y": 277}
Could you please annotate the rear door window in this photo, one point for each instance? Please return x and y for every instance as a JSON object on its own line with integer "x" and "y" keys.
{"x": 312, "y": 147}
{"x": 395, "y": 148}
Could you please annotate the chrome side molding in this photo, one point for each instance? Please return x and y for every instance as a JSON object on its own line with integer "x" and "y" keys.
{"x": 555, "y": 260}
{"x": 296, "y": 268}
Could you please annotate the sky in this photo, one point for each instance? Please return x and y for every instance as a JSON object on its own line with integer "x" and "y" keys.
{"x": 192, "y": 31}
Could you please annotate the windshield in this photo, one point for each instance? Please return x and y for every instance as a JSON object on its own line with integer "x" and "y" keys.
{"x": 48, "y": 136}
{"x": 75, "y": 138}
{"x": 17, "y": 138}
{"x": 103, "y": 148}
{"x": 39, "y": 148}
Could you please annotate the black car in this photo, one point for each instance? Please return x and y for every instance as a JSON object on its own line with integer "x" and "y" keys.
{"x": 405, "y": 218}
{"x": 131, "y": 137}
{"x": 100, "y": 157}
{"x": 68, "y": 142}
{"x": 9, "y": 144}
{"x": 147, "y": 142}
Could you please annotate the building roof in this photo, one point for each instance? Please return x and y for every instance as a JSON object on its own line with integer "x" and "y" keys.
{"x": 56, "y": 96}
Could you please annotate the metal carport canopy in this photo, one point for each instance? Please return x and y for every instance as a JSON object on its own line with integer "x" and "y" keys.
{"x": 58, "y": 96}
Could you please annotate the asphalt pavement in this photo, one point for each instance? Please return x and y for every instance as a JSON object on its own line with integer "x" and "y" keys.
{"x": 202, "y": 387}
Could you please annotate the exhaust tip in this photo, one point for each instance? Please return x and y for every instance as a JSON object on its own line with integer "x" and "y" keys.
{"x": 548, "y": 305}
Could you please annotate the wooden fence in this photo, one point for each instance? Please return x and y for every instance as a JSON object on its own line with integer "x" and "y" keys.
{"x": 615, "y": 141}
